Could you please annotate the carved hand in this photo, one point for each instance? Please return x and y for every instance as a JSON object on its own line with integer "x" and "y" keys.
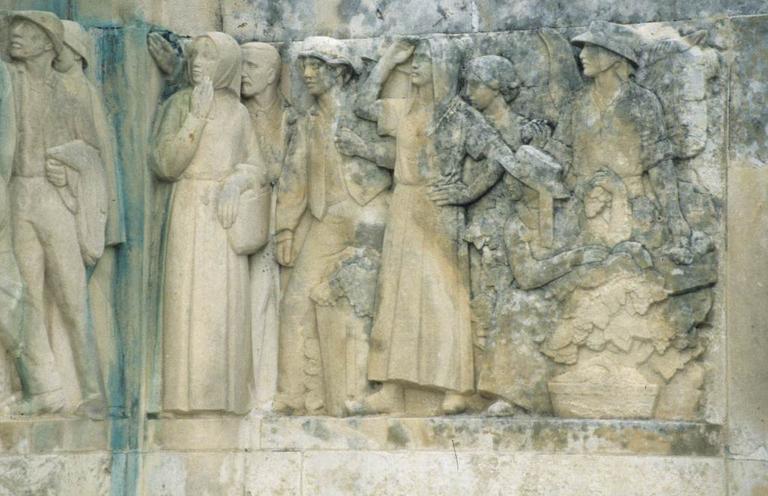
{"x": 450, "y": 194}
{"x": 284, "y": 248}
{"x": 348, "y": 143}
{"x": 592, "y": 254}
{"x": 228, "y": 204}
{"x": 639, "y": 253}
{"x": 399, "y": 51}
{"x": 202, "y": 99}
{"x": 56, "y": 172}
{"x": 536, "y": 133}
{"x": 162, "y": 53}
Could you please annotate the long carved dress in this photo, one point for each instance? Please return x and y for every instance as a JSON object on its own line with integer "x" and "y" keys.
{"x": 422, "y": 331}
{"x": 206, "y": 307}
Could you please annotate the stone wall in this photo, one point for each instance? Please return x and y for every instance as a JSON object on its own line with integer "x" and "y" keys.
{"x": 707, "y": 433}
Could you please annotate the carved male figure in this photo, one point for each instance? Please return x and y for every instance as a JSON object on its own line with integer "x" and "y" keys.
{"x": 343, "y": 195}
{"x": 615, "y": 124}
{"x": 57, "y": 228}
{"x": 11, "y": 289}
{"x": 72, "y": 62}
{"x": 274, "y": 127}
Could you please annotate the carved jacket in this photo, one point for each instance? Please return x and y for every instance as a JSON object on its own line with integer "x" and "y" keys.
{"x": 315, "y": 170}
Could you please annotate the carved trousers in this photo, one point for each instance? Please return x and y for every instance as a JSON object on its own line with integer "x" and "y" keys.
{"x": 52, "y": 268}
{"x": 345, "y": 224}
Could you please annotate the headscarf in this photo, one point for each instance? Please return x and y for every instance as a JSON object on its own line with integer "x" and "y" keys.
{"x": 446, "y": 65}
{"x": 227, "y": 73}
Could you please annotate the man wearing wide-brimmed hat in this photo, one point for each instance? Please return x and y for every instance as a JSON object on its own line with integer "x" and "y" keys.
{"x": 72, "y": 62}
{"x": 55, "y": 234}
{"x": 343, "y": 195}
{"x": 616, "y": 125}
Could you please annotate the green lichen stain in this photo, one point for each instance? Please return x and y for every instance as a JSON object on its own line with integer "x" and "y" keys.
{"x": 397, "y": 435}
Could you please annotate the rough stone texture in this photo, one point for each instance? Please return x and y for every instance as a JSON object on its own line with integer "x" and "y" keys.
{"x": 747, "y": 190}
{"x": 463, "y": 455}
{"x": 748, "y": 478}
{"x": 65, "y": 475}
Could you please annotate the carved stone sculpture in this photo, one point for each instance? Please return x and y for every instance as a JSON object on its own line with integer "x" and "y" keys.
{"x": 616, "y": 325}
{"x": 58, "y": 229}
{"x": 423, "y": 301}
{"x": 72, "y": 62}
{"x": 274, "y": 127}
{"x": 344, "y": 197}
{"x": 204, "y": 145}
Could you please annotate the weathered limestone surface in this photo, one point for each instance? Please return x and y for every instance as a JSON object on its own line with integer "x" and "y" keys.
{"x": 442, "y": 247}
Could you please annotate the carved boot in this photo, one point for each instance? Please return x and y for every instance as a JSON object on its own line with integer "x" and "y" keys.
{"x": 389, "y": 399}
{"x": 92, "y": 407}
{"x": 288, "y": 405}
{"x": 40, "y": 404}
{"x": 454, "y": 403}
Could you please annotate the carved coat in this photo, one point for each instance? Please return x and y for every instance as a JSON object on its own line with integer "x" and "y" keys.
{"x": 206, "y": 308}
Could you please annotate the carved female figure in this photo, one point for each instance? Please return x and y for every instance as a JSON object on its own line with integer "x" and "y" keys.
{"x": 421, "y": 334}
{"x": 202, "y": 143}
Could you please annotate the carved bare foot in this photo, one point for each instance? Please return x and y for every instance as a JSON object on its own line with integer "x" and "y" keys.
{"x": 39, "y": 404}
{"x": 454, "y": 403}
{"x": 93, "y": 407}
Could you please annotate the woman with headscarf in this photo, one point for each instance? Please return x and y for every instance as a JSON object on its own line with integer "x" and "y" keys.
{"x": 422, "y": 333}
{"x": 203, "y": 144}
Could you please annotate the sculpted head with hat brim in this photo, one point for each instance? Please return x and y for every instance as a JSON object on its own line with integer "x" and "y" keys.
{"x": 325, "y": 63}
{"x": 607, "y": 46}
{"x": 35, "y": 34}
{"x": 75, "y": 52}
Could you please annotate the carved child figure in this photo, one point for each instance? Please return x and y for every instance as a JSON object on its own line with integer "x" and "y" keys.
{"x": 57, "y": 228}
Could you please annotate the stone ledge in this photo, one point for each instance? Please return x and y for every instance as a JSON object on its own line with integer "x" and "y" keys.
{"x": 430, "y": 473}
{"x": 49, "y": 435}
{"x": 425, "y": 434}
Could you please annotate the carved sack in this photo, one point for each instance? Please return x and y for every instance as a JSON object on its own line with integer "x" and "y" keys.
{"x": 250, "y": 231}
{"x": 87, "y": 191}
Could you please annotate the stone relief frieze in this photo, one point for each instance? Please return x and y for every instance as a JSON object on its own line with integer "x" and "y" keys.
{"x": 493, "y": 224}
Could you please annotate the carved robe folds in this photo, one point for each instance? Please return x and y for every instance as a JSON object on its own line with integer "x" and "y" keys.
{"x": 205, "y": 317}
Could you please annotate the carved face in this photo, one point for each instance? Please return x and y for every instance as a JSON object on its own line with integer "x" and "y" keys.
{"x": 479, "y": 94}
{"x": 258, "y": 73}
{"x": 318, "y": 76}
{"x": 421, "y": 67}
{"x": 203, "y": 60}
{"x": 28, "y": 40}
{"x": 596, "y": 59}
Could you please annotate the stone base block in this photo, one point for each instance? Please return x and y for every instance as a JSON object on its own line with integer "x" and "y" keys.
{"x": 431, "y": 456}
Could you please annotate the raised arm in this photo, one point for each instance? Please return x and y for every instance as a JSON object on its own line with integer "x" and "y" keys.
{"x": 367, "y": 105}
{"x": 180, "y": 130}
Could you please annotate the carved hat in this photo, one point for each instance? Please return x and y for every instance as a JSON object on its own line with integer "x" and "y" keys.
{"x": 617, "y": 38}
{"x": 47, "y": 21}
{"x": 77, "y": 39}
{"x": 329, "y": 50}
{"x": 229, "y": 61}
